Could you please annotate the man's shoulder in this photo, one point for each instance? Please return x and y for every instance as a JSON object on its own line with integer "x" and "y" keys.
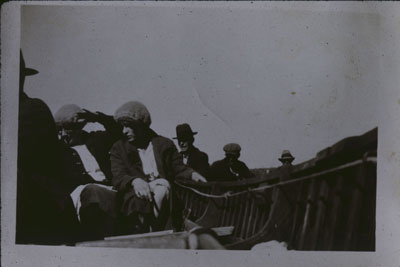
{"x": 242, "y": 164}
{"x": 119, "y": 144}
{"x": 199, "y": 153}
{"x": 218, "y": 163}
{"x": 162, "y": 141}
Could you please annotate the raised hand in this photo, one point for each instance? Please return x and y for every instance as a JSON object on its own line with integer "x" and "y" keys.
{"x": 86, "y": 116}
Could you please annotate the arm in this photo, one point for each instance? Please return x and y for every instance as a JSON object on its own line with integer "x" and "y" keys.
{"x": 245, "y": 172}
{"x": 180, "y": 170}
{"x": 110, "y": 125}
{"x": 122, "y": 178}
{"x": 203, "y": 165}
{"x": 183, "y": 171}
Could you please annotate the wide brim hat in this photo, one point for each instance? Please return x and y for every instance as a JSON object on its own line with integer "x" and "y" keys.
{"x": 183, "y": 131}
{"x": 286, "y": 155}
{"x": 23, "y": 69}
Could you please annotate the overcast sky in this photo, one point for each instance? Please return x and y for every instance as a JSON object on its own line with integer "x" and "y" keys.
{"x": 266, "y": 79}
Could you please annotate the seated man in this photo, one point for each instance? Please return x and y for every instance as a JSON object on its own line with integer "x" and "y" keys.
{"x": 143, "y": 165}
{"x": 92, "y": 147}
{"x": 192, "y": 156}
{"x": 90, "y": 154}
{"x": 230, "y": 168}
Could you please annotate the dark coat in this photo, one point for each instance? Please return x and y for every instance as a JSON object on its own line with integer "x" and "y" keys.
{"x": 219, "y": 171}
{"x": 99, "y": 143}
{"x": 126, "y": 165}
{"x": 73, "y": 168}
{"x": 198, "y": 161}
{"x": 45, "y": 213}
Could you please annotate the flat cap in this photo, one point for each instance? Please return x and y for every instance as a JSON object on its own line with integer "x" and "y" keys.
{"x": 232, "y": 148}
{"x": 133, "y": 110}
{"x": 67, "y": 115}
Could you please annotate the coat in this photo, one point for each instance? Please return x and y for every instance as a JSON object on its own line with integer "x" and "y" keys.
{"x": 198, "y": 161}
{"x": 99, "y": 143}
{"x": 126, "y": 165}
{"x": 219, "y": 171}
{"x": 45, "y": 212}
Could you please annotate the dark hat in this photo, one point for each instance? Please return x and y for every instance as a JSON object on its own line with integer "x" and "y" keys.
{"x": 232, "y": 148}
{"x": 184, "y": 130}
{"x": 286, "y": 155}
{"x": 23, "y": 70}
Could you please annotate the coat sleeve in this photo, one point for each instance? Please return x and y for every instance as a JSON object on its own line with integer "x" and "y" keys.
{"x": 204, "y": 166}
{"x": 121, "y": 176}
{"x": 213, "y": 172}
{"x": 111, "y": 126}
{"x": 245, "y": 172}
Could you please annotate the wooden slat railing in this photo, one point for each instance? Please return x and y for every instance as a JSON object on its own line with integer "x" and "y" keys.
{"x": 327, "y": 203}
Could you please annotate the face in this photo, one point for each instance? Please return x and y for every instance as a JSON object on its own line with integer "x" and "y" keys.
{"x": 232, "y": 158}
{"x": 134, "y": 132}
{"x": 70, "y": 136}
{"x": 185, "y": 143}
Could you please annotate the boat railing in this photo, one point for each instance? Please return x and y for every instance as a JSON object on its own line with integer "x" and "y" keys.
{"x": 327, "y": 203}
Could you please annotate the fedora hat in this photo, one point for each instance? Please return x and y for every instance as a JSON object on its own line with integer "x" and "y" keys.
{"x": 23, "y": 69}
{"x": 286, "y": 155}
{"x": 183, "y": 131}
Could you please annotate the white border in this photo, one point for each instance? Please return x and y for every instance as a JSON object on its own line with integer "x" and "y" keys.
{"x": 388, "y": 188}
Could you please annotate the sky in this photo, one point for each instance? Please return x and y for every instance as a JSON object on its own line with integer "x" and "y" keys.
{"x": 267, "y": 79}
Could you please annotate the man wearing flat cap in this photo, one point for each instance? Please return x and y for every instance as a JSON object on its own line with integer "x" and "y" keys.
{"x": 96, "y": 208}
{"x": 230, "y": 168}
{"x": 192, "y": 156}
{"x": 93, "y": 147}
{"x": 144, "y": 164}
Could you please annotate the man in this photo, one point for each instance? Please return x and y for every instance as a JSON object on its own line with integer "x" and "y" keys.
{"x": 45, "y": 213}
{"x": 286, "y": 158}
{"x": 230, "y": 168}
{"x": 143, "y": 166}
{"x": 93, "y": 147}
{"x": 192, "y": 156}
{"x": 96, "y": 209}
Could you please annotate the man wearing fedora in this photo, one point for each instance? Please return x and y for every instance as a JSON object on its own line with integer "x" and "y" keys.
{"x": 230, "y": 168}
{"x": 45, "y": 212}
{"x": 286, "y": 158}
{"x": 192, "y": 156}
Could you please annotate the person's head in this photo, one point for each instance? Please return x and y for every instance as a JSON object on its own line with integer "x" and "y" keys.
{"x": 232, "y": 152}
{"x": 286, "y": 157}
{"x": 23, "y": 72}
{"x": 185, "y": 137}
{"x": 68, "y": 126}
{"x": 136, "y": 120}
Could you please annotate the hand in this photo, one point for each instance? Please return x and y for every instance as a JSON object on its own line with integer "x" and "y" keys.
{"x": 141, "y": 188}
{"x": 198, "y": 178}
{"x": 87, "y": 116}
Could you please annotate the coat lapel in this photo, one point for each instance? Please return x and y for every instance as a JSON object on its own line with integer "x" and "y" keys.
{"x": 134, "y": 159}
{"x": 158, "y": 158}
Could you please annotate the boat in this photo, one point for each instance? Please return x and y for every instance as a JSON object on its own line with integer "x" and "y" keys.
{"x": 324, "y": 204}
